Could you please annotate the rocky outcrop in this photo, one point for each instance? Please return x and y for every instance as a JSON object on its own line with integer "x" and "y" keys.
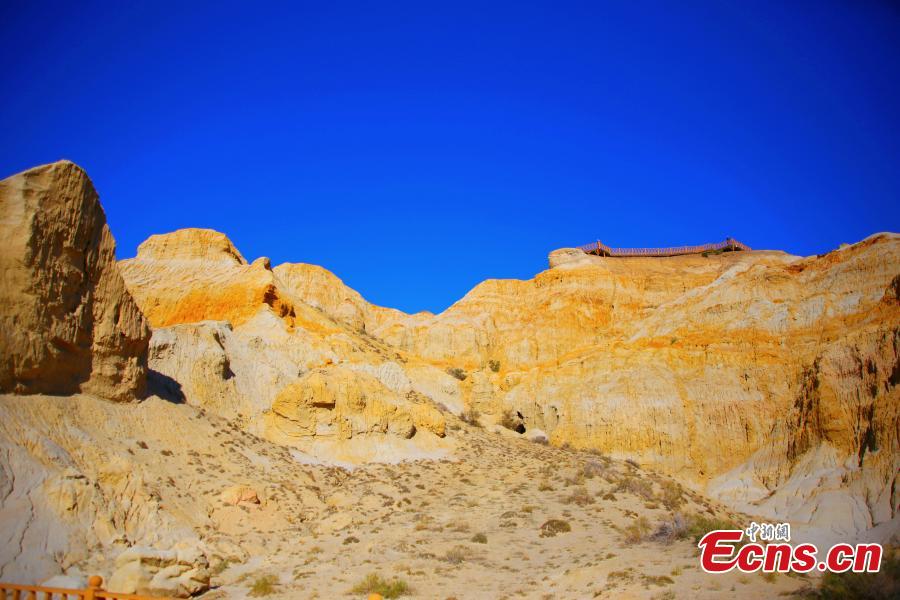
{"x": 180, "y": 572}
{"x": 231, "y": 337}
{"x": 769, "y": 378}
{"x": 320, "y": 288}
{"x": 67, "y": 323}
{"x": 339, "y": 403}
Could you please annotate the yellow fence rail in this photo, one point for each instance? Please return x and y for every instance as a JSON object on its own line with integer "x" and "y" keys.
{"x": 94, "y": 591}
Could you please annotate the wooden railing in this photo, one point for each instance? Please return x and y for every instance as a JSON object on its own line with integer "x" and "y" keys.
{"x": 602, "y": 249}
{"x": 94, "y": 591}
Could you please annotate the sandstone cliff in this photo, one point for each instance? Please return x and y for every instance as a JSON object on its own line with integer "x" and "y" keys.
{"x": 234, "y": 338}
{"x": 769, "y": 378}
{"x": 739, "y": 372}
{"x": 67, "y": 324}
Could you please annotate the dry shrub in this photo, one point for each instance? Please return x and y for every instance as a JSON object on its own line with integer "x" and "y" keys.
{"x": 510, "y": 420}
{"x": 580, "y": 496}
{"x": 470, "y": 416}
{"x": 554, "y": 527}
{"x": 637, "y": 531}
{"x": 672, "y": 495}
{"x": 669, "y": 530}
{"x": 375, "y": 584}
{"x": 263, "y": 585}
{"x": 457, "y": 373}
{"x": 636, "y": 486}
{"x": 457, "y": 555}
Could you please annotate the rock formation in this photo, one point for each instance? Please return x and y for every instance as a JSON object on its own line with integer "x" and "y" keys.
{"x": 765, "y": 380}
{"x": 235, "y": 339}
{"x": 718, "y": 369}
{"x": 769, "y": 378}
{"x": 67, "y": 323}
{"x": 180, "y": 572}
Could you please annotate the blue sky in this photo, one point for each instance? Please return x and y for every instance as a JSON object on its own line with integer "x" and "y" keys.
{"x": 418, "y": 148}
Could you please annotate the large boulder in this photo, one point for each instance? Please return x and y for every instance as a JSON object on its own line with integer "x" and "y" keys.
{"x": 180, "y": 572}
{"x": 67, "y": 323}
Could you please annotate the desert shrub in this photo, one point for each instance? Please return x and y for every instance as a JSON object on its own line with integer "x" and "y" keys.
{"x": 700, "y": 525}
{"x": 510, "y": 420}
{"x": 576, "y": 479}
{"x": 457, "y": 372}
{"x": 638, "y": 530}
{"x": 669, "y": 530}
{"x": 479, "y": 538}
{"x": 263, "y": 585}
{"x": 555, "y": 526}
{"x": 470, "y": 416}
{"x": 351, "y": 539}
{"x": 375, "y": 584}
{"x": 544, "y": 486}
{"x": 456, "y": 555}
{"x": 460, "y": 526}
{"x": 579, "y": 496}
{"x": 632, "y": 463}
{"x": 592, "y": 468}
{"x": 494, "y": 365}
{"x": 220, "y": 567}
{"x": 862, "y": 586}
{"x": 636, "y": 486}
{"x": 672, "y": 495}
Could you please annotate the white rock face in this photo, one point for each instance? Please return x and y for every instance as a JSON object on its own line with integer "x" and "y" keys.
{"x": 179, "y": 572}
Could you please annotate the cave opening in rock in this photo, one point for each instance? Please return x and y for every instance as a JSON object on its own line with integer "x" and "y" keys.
{"x": 520, "y": 428}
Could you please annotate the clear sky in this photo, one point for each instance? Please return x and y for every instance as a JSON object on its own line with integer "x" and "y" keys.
{"x": 418, "y": 148}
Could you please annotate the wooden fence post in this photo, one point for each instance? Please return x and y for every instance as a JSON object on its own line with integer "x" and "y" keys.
{"x": 93, "y": 587}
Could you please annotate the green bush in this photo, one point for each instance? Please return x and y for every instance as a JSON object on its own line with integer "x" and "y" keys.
{"x": 374, "y": 584}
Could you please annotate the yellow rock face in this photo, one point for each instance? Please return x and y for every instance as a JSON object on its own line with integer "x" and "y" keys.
{"x": 341, "y": 404}
{"x": 745, "y": 371}
{"x": 67, "y": 323}
{"x": 768, "y": 379}
{"x": 236, "y": 339}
